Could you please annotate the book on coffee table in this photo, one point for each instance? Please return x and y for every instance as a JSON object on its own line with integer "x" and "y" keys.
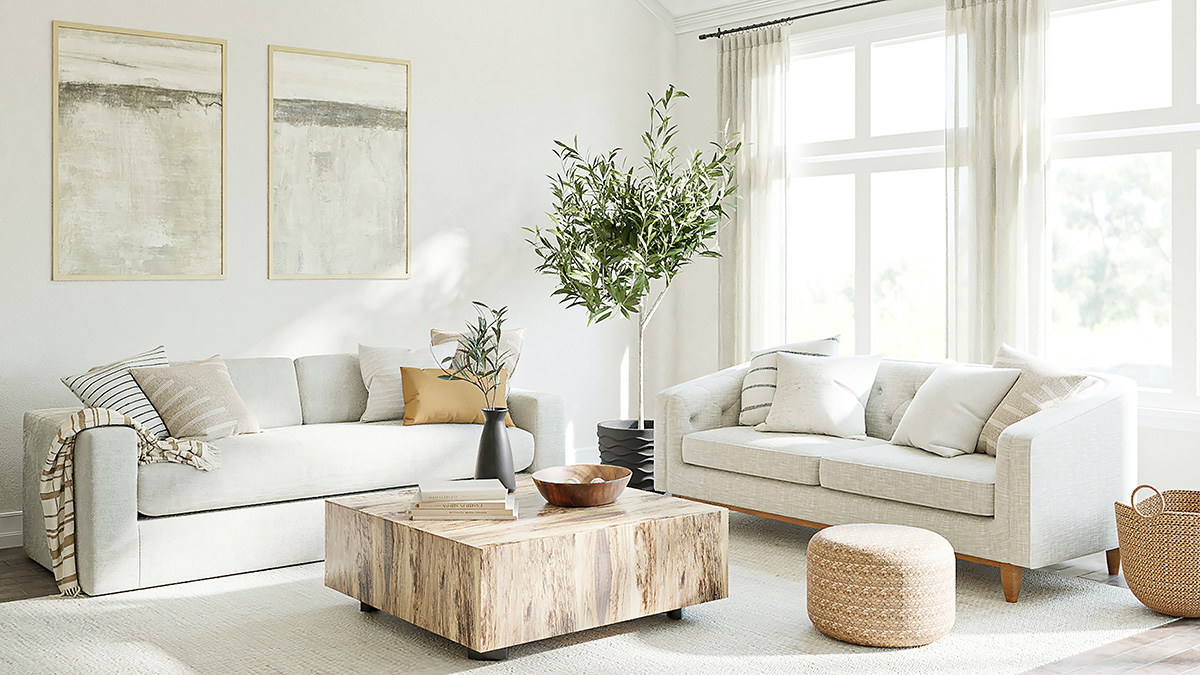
{"x": 479, "y": 499}
{"x": 504, "y": 509}
{"x": 477, "y": 490}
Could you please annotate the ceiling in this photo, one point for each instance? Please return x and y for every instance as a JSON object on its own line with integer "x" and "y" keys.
{"x": 683, "y": 16}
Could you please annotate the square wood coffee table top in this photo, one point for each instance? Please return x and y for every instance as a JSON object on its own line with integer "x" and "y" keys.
{"x": 535, "y": 517}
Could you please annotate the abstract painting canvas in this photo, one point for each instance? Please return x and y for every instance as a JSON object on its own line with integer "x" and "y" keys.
{"x": 138, "y": 145}
{"x": 338, "y": 166}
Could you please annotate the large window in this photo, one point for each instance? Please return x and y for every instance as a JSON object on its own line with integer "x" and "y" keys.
{"x": 866, "y": 205}
{"x": 1121, "y": 192}
{"x": 867, "y": 236}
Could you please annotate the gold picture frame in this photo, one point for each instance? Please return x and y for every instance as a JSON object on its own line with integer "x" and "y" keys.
{"x": 139, "y": 211}
{"x": 337, "y": 128}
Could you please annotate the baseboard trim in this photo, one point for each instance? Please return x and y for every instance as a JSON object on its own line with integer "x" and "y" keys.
{"x": 10, "y": 529}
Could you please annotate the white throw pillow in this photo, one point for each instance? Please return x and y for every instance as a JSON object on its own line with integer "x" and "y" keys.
{"x": 758, "y": 389}
{"x": 950, "y": 409}
{"x": 822, "y": 394}
{"x": 380, "y": 368}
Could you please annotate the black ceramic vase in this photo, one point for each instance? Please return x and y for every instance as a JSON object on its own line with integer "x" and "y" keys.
{"x": 495, "y": 454}
{"x": 622, "y": 443}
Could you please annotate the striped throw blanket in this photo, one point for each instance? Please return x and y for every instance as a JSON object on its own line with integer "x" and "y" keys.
{"x": 58, "y": 480}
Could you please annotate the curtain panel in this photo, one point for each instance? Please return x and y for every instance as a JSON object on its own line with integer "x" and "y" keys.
{"x": 752, "y": 102}
{"x": 995, "y": 172}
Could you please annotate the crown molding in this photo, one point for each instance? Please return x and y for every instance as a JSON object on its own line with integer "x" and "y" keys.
{"x": 659, "y": 12}
{"x": 740, "y": 12}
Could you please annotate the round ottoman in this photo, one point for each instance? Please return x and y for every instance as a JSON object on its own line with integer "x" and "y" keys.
{"x": 881, "y": 585}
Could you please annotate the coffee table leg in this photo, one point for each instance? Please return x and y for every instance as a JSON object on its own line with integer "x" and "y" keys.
{"x": 364, "y": 607}
{"x": 676, "y": 614}
{"x": 494, "y": 655}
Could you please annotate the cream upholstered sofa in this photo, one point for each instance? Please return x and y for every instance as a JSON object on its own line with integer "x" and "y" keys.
{"x": 1046, "y": 496}
{"x": 264, "y": 507}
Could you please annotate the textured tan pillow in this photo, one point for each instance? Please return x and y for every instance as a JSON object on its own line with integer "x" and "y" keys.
{"x": 1040, "y": 386}
{"x": 428, "y": 400}
{"x": 197, "y": 400}
{"x": 510, "y": 343}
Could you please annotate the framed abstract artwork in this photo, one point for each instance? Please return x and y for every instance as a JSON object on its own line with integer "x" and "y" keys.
{"x": 138, "y": 123}
{"x": 337, "y": 166}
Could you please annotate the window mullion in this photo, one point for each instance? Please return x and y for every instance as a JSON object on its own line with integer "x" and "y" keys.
{"x": 1183, "y": 54}
{"x": 862, "y": 89}
{"x": 1183, "y": 272}
{"x": 862, "y": 263}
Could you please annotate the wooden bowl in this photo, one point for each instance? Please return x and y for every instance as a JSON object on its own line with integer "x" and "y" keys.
{"x": 554, "y": 484}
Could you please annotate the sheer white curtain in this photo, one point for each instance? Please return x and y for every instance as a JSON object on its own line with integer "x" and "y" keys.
{"x": 752, "y": 102}
{"x": 995, "y": 163}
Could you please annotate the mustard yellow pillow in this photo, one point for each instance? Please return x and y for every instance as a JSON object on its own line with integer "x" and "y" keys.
{"x": 428, "y": 400}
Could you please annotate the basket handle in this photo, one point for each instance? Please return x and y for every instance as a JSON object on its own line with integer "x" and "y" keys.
{"x": 1133, "y": 504}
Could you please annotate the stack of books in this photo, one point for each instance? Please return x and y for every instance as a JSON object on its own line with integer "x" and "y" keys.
{"x": 480, "y": 499}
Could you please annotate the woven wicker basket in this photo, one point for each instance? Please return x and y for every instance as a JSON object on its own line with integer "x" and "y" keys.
{"x": 1160, "y": 549}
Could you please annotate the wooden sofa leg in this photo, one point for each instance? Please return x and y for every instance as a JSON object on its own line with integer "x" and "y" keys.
{"x": 1010, "y": 579}
{"x": 1114, "y": 561}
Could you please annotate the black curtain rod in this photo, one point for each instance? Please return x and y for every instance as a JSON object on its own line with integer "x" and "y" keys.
{"x": 786, "y": 19}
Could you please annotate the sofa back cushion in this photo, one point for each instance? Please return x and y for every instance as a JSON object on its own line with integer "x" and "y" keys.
{"x": 268, "y": 388}
{"x": 896, "y": 383}
{"x": 331, "y": 388}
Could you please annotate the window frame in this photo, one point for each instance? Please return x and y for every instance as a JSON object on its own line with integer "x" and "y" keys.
{"x": 864, "y": 154}
{"x": 1174, "y": 130}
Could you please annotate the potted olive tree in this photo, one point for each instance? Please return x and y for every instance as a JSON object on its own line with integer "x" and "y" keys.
{"x": 621, "y": 233}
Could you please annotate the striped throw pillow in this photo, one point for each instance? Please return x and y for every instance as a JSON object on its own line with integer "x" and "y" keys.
{"x": 758, "y": 389}
{"x": 114, "y": 388}
{"x": 380, "y": 368}
{"x": 197, "y": 400}
{"x": 1041, "y": 385}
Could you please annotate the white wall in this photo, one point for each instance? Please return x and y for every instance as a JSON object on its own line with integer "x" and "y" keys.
{"x": 691, "y": 307}
{"x": 493, "y": 84}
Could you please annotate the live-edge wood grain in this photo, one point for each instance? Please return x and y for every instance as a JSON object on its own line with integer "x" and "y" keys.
{"x": 493, "y": 584}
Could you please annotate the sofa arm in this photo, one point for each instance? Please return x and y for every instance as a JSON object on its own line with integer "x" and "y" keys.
{"x": 1059, "y": 471}
{"x": 106, "y": 528}
{"x": 707, "y": 402}
{"x": 545, "y": 416}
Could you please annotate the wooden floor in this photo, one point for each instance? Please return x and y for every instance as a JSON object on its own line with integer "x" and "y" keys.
{"x": 1167, "y": 650}
{"x": 22, "y": 578}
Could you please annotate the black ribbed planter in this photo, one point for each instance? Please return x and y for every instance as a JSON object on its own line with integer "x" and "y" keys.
{"x": 623, "y": 444}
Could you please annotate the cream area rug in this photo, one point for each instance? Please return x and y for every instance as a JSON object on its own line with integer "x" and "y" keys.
{"x": 286, "y": 621}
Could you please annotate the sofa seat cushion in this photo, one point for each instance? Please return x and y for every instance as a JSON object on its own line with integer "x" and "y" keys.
{"x": 788, "y": 457}
{"x": 319, "y": 460}
{"x": 966, "y": 483}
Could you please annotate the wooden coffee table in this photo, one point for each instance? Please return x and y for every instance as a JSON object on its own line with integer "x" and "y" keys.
{"x": 492, "y": 584}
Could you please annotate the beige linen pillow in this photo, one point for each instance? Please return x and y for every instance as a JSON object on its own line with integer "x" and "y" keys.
{"x": 510, "y": 344}
{"x": 949, "y": 410}
{"x": 380, "y": 368}
{"x": 431, "y": 400}
{"x": 758, "y": 387}
{"x": 822, "y": 394}
{"x": 1040, "y": 386}
{"x": 197, "y": 400}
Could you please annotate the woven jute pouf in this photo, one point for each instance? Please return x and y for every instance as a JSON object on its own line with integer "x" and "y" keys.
{"x": 881, "y": 585}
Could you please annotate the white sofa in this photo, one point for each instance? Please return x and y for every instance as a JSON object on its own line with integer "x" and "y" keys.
{"x": 1046, "y": 497}
{"x": 164, "y": 523}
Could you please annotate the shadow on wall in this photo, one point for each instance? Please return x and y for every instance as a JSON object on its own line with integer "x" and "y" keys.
{"x": 441, "y": 273}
